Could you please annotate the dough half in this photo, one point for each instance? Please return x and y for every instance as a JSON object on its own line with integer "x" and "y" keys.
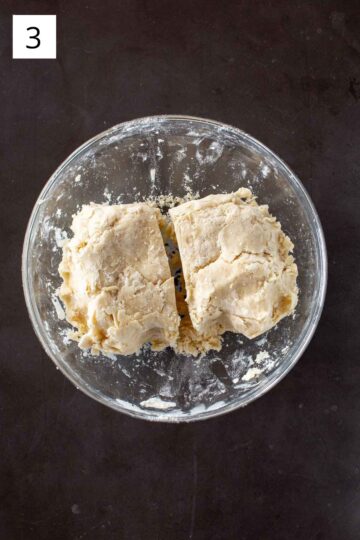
{"x": 117, "y": 286}
{"x": 238, "y": 270}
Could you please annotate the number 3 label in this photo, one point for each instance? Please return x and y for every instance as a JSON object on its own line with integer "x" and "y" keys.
{"x": 34, "y": 36}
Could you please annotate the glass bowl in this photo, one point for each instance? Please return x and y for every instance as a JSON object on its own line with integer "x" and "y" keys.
{"x": 173, "y": 155}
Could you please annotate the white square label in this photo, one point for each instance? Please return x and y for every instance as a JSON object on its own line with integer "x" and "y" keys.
{"x": 34, "y": 36}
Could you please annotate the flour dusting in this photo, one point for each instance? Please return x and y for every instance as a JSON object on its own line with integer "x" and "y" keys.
{"x": 158, "y": 403}
{"x": 251, "y": 373}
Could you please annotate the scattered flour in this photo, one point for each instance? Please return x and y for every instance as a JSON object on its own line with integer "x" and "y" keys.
{"x": 210, "y": 155}
{"x": 261, "y": 356}
{"x": 158, "y": 403}
{"x": 260, "y": 342}
{"x": 60, "y": 236}
{"x": 58, "y": 307}
{"x": 107, "y": 195}
{"x": 251, "y": 373}
{"x": 180, "y": 155}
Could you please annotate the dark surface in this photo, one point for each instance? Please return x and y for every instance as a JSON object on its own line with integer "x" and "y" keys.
{"x": 287, "y": 466}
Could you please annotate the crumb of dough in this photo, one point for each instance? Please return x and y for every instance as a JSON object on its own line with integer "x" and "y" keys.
{"x": 165, "y": 202}
{"x": 117, "y": 287}
{"x": 238, "y": 270}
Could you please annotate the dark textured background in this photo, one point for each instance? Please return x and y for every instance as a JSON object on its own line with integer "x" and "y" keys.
{"x": 286, "y": 467}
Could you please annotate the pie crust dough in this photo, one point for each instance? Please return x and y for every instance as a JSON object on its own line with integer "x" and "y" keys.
{"x": 238, "y": 270}
{"x": 117, "y": 287}
{"x": 237, "y": 275}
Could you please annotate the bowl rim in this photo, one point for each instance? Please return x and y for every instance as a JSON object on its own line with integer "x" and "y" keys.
{"x": 160, "y": 416}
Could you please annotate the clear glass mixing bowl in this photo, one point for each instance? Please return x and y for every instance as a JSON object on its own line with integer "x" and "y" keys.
{"x": 163, "y": 155}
